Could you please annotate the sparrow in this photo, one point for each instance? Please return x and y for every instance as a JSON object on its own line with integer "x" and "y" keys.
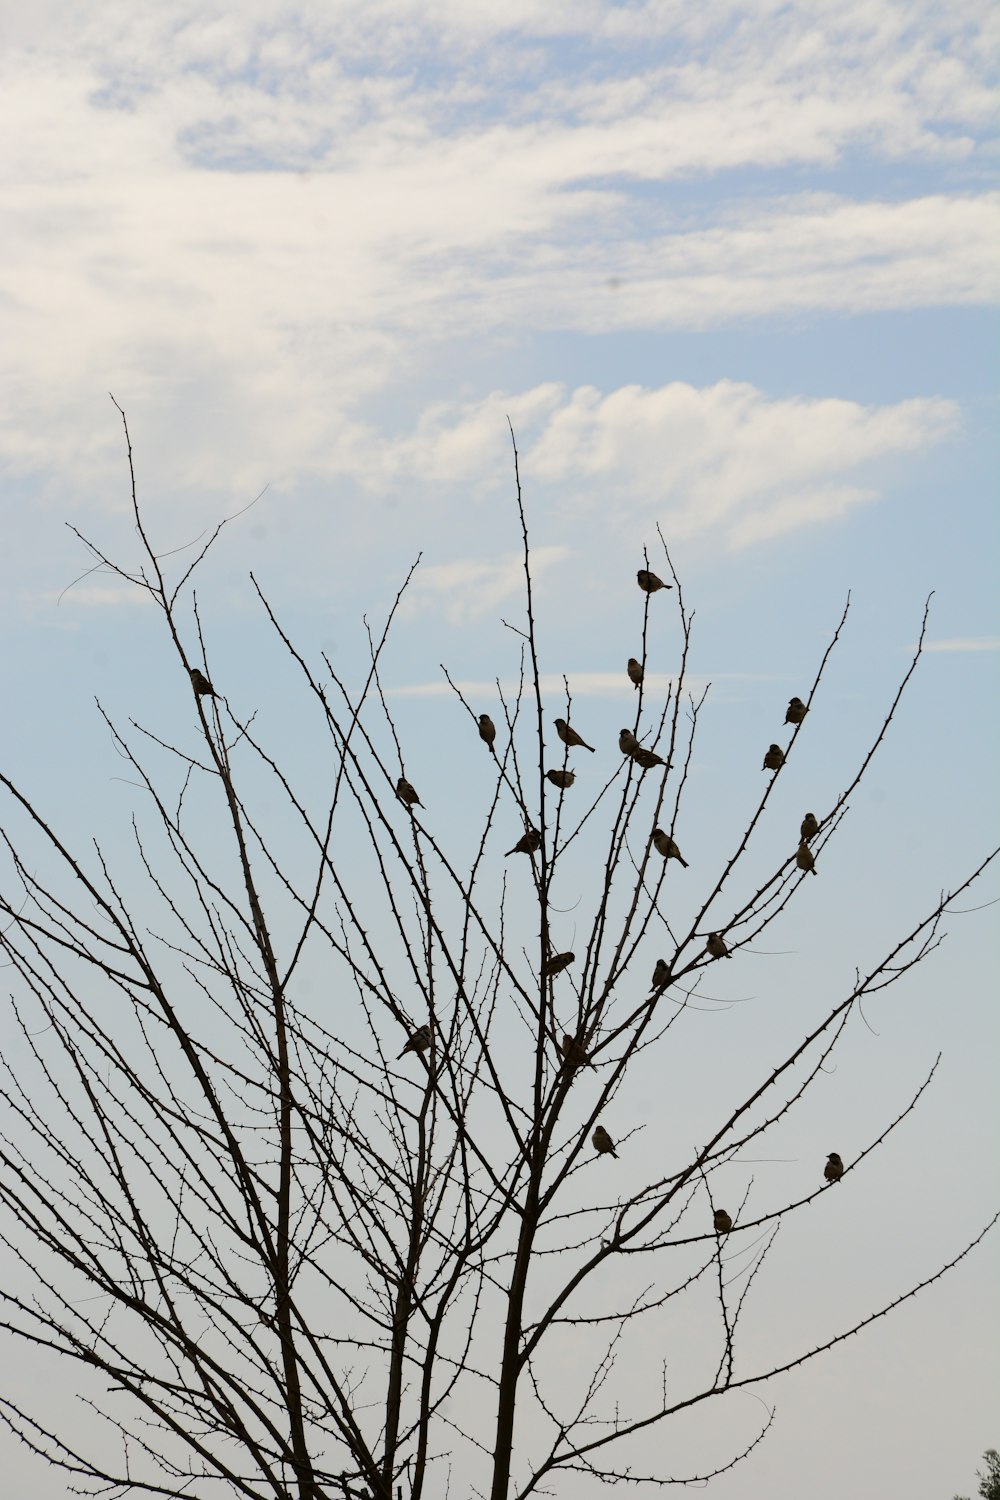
{"x": 419, "y": 1041}
{"x": 649, "y": 583}
{"x": 603, "y": 1144}
{"x": 573, "y": 1052}
{"x": 796, "y": 711}
{"x": 804, "y": 858}
{"x": 526, "y": 844}
{"x": 774, "y": 759}
{"x": 665, "y": 845}
{"x": 809, "y": 828}
{"x": 647, "y": 758}
{"x": 556, "y": 964}
{"x": 570, "y": 737}
{"x": 716, "y": 946}
{"x": 407, "y": 793}
{"x": 627, "y": 742}
{"x": 723, "y": 1223}
{"x": 661, "y": 976}
{"x": 487, "y": 730}
{"x": 201, "y": 684}
{"x": 561, "y": 778}
{"x": 635, "y": 671}
{"x": 834, "y": 1169}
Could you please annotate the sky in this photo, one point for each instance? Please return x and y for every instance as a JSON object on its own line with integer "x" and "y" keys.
{"x": 727, "y": 270}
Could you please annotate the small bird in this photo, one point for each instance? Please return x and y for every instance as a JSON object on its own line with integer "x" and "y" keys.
{"x": 603, "y": 1144}
{"x": 661, "y": 976}
{"x": 834, "y": 1169}
{"x": 647, "y": 758}
{"x": 809, "y": 828}
{"x": 570, "y": 737}
{"x": 201, "y": 684}
{"x": 561, "y": 778}
{"x": 407, "y": 793}
{"x": 627, "y": 742}
{"x": 526, "y": 844}
{"x": 487, "y": 730}
{"x": 556, "y": 964}
{"x": 665, "y": 845}
{"x": 419, "y": 1041}
{"x": 774, "y": 759}
{"x": 796, "y": 711}
{"x": 574, "y": 1054}
{"x": 649, "y": 583}
{"x": 804, "y": 858}
{"x": 716, "y": 946}
{"x": 723, "y": 1223}
{"x": 635, "y": 672}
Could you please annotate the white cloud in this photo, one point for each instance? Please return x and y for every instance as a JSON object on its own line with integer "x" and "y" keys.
{"x": 469, "y": 588}
{"x": 966, "y": 643}
{"x": 581, "y": 685}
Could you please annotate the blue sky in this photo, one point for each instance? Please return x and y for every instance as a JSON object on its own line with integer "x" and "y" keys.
{"x": 732, "y": 271}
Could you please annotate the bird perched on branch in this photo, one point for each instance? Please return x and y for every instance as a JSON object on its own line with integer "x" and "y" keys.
{"x": 627, "y": 742}
{"x": 561, "y": 778}
{"x": 407, "y": 793}
{"x": 647, "y": 758}
{"x": 526, "y": 844}
{"x": 200, "y": 683}
{"x": 649, "y": 582}
{"x": 804, "y": 858}
{"x": 723, "y": 1223}
{"x": 661, "y": 976}
{"x": 603, "y": 1144}
{"x": 573, "y": 1053}
{"x": 665, "y": 845}
{"x": 834, "y": 1169}
{"x": 487, "y": 730}
{"x": 570, "y": 737}
{"x": 556, "y": 964}
{"x": 796, "y": 711}
{"x": 635, "y": 671}
{"x": 809, "y": 829}
{"x": 774, "y": 759}
{"x": 716, "y": 946}
{"x": 419, "y": 1041}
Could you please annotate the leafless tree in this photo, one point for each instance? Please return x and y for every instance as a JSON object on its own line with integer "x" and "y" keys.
{"x": 301, "y": 1167}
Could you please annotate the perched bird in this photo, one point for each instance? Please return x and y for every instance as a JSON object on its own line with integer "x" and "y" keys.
{"x": 574, "y": 1054}
{"x": 809, "y": 828}
{"x": 647, "y": 758}
{"x": 627, "y": 742}
{"x": 419, "y": 1041}
{"x": 561, "y": 778}
{"x": 804, "y": 858}
{"x": 526, "y": 844}
{"x": 556, "y": 964}
{"x": 635, "y": 671}
{"x": 407, "y": 793}
{"x": 661, "y": 975}
{"x": 570, "y": 737}
{"x": 487, "y": 730}
{"x": 716, "y": 946}
{"x": 774, "y": 759}
{"x": 649, "y": 583}
{"x": 201, "y": 684}
{"x": 603, "y": 1144}
{"x": 796, "y": 711}
{"x": 834, "y": 1169}
{"x": 665, "y": 845}
{"x": 723, "y": 1223}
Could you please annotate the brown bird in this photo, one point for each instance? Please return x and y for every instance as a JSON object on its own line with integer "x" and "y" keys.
{"x": 804, "y": 858}
{"x": 774, "y": 759}
{"x": 603, "y": 1144}
{"x": 561, "y": 778}
{"x": 574, "y": 1054}
{"x": 526, "y": 844}
{"x": 661, "y": 976}
{"x": 723, "y": 1223}
{"x": 716, "y": 946}
{"x": 419, "y": 1041}
{"x": 647, "y": 758}
{"x": 556, "y": 964}
{"x": 649, "y": 583}
{"x": 570, "y": 737}
{"x": 627, "y": 742}
{"x": 665, "y": 845}
{"x": 796, "y": 711}
{"x": 635, "y": 672}
{"x": 834, "y": 1169}
{"x": 809, "y": 828}
{"x": 201, "y": 684}
{"x": 487, "y": 730}
{"x": 407, "y": 793}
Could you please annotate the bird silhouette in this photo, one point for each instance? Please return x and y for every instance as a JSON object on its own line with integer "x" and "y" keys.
{"x": 201, "y": 684}
{"x": 834, "y": 1169}
{"x": 561, "y": 778}
{"x": 804, "y": 858}
{"x": 526, "y": 844}
{"x": 716, "y": 946}
{"x": 627, "y": 742}
{"x": 603, "y": 1144}
{"x": 487, "y": 730}
{"x": 774, "y": 759}
{"x": 723, "y": 1223}
{"x": 661, "y": 976}
{"x": 556, "y": 964}
{"x": 809, "y": 828}
{"x": 407, "y": 793}
{"x": 796, "y": 711}
{"x": 419, "y": 1041}
{"x": 647, "y": 758}
{"x": 665, "y": 845}
{"x": 649, "y": 582}
{"x": 635, "y": 671}
{"x": 570, "y": 737}
{"x": 574, "y": 1054}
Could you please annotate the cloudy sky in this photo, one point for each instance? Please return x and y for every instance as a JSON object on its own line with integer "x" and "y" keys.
{"x": 727, "y": 269}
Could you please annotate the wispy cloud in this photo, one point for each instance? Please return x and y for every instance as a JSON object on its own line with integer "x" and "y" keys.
{"x": 966, "y": 643}
{"x": 469, "y": 588}
{"x": 581, "y": 685}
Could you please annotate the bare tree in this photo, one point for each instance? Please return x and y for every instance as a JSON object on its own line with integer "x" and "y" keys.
{"x": 296, "y": 1170}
